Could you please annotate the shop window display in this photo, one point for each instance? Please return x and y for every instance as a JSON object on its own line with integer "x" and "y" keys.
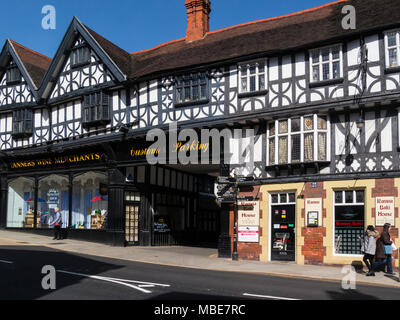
{"x": 20, "y": 213}
{"x": 89, "y": 201}
{"x": 53, "y": 193}
{"x": 349, "y": 221}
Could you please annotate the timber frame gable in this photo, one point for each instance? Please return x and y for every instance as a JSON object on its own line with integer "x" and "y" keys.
{"x": 62, "y": 82}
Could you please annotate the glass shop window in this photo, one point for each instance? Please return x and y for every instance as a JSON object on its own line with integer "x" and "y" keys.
{"x": 349, "y": 221}
{"x": 20, "y": 211}
{"x": 90, "y": 201}
{"x": 53, "y": 194}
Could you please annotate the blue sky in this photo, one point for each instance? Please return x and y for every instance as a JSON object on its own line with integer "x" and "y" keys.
{"x": 131, "y": 24}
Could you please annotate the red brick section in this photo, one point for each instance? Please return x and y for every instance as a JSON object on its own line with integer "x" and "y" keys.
{"x": 250, "y": 251}
{"x": 386, "y": 188}
{"x": 313, "y": 249}
{"x": 198, "y": 16}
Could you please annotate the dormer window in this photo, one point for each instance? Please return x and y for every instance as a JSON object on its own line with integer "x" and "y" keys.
{"x": 80, "y": 56}
{"x": 252, "y": 77}
{"x": 326, "y": 64}
{"x": 96, "y": 109}
{"x": 192, "y": 88}
{"x": 13, "y": 74}
{"x": 22, "y": 123}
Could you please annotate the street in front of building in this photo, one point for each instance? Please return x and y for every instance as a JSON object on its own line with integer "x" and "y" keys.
{"x": 91, "y": 277}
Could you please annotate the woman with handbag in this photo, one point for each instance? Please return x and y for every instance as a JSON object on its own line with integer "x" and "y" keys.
{"x": 383, "y": 251}
{"x": 368, "y": 247}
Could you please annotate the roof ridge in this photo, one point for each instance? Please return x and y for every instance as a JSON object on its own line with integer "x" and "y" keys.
{"x": 159, "y": 46}
{"x": 248, "y": 23}
{"x": 30, "y": 50}
{"x": 280, "y": 17}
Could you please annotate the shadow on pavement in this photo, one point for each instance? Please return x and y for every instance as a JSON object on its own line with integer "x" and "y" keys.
{"x": 22, "y": 279}
{"x": 350, "y": 295}
{"x": 171, "y": 296}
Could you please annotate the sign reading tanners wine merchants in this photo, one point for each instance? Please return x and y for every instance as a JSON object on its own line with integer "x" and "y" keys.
{"x": 55, "y": 161}
{"x": 384, "y": 211}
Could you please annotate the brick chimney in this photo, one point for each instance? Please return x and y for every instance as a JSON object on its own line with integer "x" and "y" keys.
{"x": 198, "y": 14}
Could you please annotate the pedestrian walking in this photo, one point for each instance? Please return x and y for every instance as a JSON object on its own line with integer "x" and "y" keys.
{"x": 57, "y": 222}
{"x": 369, "y": 246}
{"x": 383, "y": 251}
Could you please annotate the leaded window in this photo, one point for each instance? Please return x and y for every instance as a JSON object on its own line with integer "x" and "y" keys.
{"x": 22, "y": 123}
{"x": 80, "y": 56}
{"x": 13, "y": 74}
{"x": 252, "y": 77}
{"x": 326, "y": 63}
{"x": 96, "y": 108}
{"x": 192, "y": 88}
{"x": 298, "y": 139}
{"x": 392, "y": 43}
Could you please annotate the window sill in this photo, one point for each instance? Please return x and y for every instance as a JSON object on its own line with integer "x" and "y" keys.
{"x": 252, "y": 94}
{"x": 96, "y": 123}
{"x": 79, "y": 65}
{"x": 22, "y": 135}
{"x": 298, "y": 165}
{"x": 389, "y": 70}
{"x": 13, "y": 83}
{"x": 191, "y": 103}
{"x": 326, "y": 83}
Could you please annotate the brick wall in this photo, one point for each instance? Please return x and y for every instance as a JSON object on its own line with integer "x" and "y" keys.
{"x": 313, "y": 249}
{"x": 250, "y": 251}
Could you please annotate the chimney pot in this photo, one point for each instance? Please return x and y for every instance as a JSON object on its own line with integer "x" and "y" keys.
{"x": 198, "y": 17}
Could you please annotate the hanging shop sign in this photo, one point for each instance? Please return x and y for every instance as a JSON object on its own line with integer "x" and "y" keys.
{"x": 55, "y": 161}
{"x": 313, "y": 208}
{"x": 384, "y": 211}
{"x": 249, "y": 213}
{"x": 248, "y": 234}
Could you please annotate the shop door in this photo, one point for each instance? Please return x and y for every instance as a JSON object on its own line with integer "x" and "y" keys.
{"x": 132, "y": 208}
{"x": 283, "y": 233}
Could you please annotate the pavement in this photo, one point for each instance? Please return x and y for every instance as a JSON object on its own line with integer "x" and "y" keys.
{"x": 196, "y": 258}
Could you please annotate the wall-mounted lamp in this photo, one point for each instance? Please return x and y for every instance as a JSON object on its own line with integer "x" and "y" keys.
{"x": 361, "y": 122}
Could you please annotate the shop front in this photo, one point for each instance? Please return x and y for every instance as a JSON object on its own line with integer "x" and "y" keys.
{"x": 107, "y": 194}
{"x": 321, "y": 222}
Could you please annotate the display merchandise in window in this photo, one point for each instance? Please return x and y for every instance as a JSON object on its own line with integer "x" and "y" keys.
{"x": 21, "y": 200}
{"x": 89, "y": 201}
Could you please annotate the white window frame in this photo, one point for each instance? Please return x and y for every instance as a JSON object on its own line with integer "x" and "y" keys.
{"x": 334, "y": 217}
{"x": 302, "y": 132}
{"x": 387, "y": 48}
{"x": 257, "y": 75}
{"x": 321, "y": 63}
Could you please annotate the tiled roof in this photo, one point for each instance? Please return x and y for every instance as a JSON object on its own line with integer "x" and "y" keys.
{"x": 266, "y": 36}
{"x": 35, "y": 63}
{"x": 120, "y": 57}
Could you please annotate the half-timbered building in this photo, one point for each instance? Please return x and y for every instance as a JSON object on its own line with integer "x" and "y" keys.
{"x": 320, "y": 102}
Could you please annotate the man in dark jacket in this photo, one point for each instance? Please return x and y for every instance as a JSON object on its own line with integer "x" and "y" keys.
{"x": 383, "y": 241}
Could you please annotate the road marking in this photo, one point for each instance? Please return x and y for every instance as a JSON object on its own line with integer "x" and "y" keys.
{"x": 140, "y": 284}
{"x": 268, "y": 297}
{"x": 4, "y": 261}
